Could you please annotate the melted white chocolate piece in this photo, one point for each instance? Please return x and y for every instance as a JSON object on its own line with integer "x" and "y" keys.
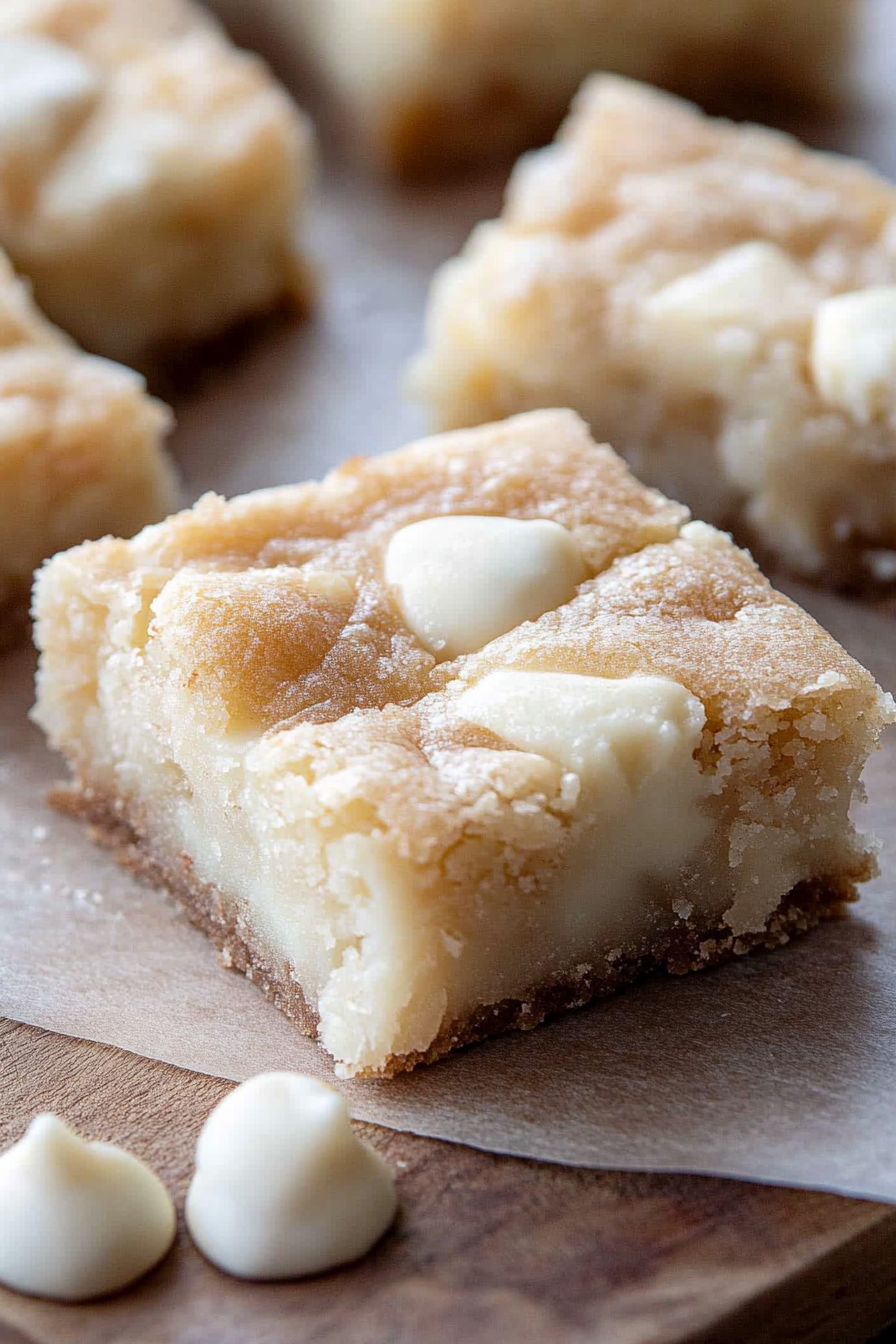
{"x": 631, "y": 742}
{"x": 707, "y": 325}
{"x": 621, "y": 731}
{"x": 463, "y": 580}
{"x": 78, "y": 1220}
{"x": 854, "y": 352}
{"x": 283, "y": 1186}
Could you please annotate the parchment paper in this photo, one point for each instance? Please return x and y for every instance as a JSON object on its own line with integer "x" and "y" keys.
{"x": 778, "y": 1068}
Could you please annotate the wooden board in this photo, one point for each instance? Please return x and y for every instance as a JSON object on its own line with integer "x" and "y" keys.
{"x": 487, "y": 1250}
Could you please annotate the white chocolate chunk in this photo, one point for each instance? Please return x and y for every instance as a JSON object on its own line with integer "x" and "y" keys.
{"x": 461, "y": 580}
{"x": 632, "y": 744}
{"x": 707, "y": 326}
{"x": 854, "y": 352}
{"x": 283, "y": 1186}
{"x": 622, "y": 731}
{"x": 78, "y": 1220}
{"x": 45, "y": 90}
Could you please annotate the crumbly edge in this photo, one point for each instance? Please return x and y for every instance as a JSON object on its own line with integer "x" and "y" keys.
{"x": 688, "y": 947}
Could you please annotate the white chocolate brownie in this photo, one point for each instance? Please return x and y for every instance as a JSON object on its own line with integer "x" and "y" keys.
{"x": 437, "y": 83}
{"x": 151, "y": 175}
{"x": 81, "y": 449}
{"x": 716, "y": 300}
{"x": 653, "y": 771}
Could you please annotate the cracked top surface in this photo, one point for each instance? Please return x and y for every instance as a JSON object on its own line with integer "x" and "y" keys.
{"x": 628, "y": 150}
{"x": 274, "y": 611}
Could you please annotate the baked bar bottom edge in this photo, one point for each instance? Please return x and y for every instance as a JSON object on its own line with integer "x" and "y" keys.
{"x": 687, "y": 947}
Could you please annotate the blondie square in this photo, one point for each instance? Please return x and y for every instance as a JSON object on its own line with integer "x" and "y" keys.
{"x": 151, "y": 175}
{"x": 80, "y": 449}
{"x": 716, "y": 300}
{"x": 458, "y": 737}
{"x": 431, "y": 84}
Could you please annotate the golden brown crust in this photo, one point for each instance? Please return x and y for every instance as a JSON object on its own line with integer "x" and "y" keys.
{"x": 543, "y": 465}
{"x": 234, "y": 574}
{"x": 663, "y": 598}
{"x": 690, "y": 946}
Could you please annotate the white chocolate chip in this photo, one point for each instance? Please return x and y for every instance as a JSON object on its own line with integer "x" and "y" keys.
{"x": 645, "y": 799}
{"x": 45, "y": 89}
{"x": 854, "y": 352}
{"x": 78, "y": 1220}
{"x": 461, "y": 581}
{"x": 620, "y": 729}
{"x": 283, "y": 1185}
{"x": 704, "y": 328}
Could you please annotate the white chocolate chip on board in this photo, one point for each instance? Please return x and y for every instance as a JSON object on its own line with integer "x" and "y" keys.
{"x": 284, "y": 1187}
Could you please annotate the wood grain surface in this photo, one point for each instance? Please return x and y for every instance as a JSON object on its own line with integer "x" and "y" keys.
{"x": 486, "y": 1250}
